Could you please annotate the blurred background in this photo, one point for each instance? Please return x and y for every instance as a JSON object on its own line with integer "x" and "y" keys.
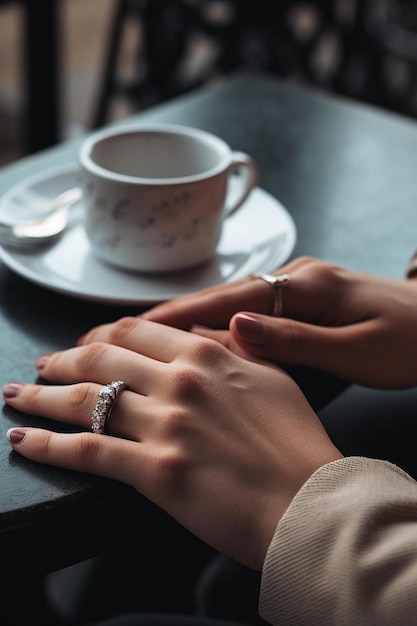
{"x": 82, "y": 37}
{"x": 67, "y": 66}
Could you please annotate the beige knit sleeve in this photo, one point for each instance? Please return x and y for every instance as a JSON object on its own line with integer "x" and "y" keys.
{"x": 345, "y": 552}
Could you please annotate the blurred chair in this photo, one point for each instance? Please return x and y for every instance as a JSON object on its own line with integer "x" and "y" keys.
{"x": 351, "y": 47}
{"x": 395, "y": 36}
{"x": 41, "y": 59}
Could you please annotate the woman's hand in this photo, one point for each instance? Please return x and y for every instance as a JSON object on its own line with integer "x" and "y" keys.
{"x": 358, "y": 327}
{"x": 220, "y": 442}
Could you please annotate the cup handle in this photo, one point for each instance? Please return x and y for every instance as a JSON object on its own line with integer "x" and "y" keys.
{"x": 239, "y": 190}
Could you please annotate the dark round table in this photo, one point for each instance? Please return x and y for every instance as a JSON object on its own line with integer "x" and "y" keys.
{"x": 347, "y": 174}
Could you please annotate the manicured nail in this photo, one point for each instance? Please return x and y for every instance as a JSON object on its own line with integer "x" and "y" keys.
{"x": 251, "y": 329}
{"x": 10, "y": 390}
{"x": 41, "y": 362}
{"x": 15, "y": 435}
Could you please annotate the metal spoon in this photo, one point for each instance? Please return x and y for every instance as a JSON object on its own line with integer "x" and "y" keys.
{"x": 30, "y": 234}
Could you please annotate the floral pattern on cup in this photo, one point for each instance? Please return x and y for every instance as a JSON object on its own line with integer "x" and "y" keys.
{"x": 156, "y": 224}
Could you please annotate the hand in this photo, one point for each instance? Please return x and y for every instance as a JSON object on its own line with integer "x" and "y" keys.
{"x": 221, "y": 443}
{"x": 356, "y": 326}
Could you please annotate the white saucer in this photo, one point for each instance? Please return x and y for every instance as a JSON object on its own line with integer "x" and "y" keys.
{"x": 257, "y": 238}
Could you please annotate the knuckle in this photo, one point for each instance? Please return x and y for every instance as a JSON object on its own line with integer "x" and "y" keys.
{"x": 172, "y": 462}
{"x": 91, "y": 355}
{"x": 327, "y": 272}
{"x": 191, "y": 374}
{"x": 36, "y": 394}
{"x": 123, "y": 328}
{"x": 177, "y": 421}
{"x": 305, "y": 259}
{"x": 80, "y": 396}
{"x": 87, "y": 447}
{"x": 186, "y": 382}
{"x": 207, "y": 352}
{"x": 171, "y": 469}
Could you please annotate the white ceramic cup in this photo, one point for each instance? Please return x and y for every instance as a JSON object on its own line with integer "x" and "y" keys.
{"x": 156, "y": 196}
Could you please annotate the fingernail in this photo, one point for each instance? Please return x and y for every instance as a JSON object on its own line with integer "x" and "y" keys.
{"x": 15, "y": 435}
{"x": 11, "y": 390}
{"x": 41, "y": 362}
{"x": 80, "y": 340}
{"x": 251, "y": 329}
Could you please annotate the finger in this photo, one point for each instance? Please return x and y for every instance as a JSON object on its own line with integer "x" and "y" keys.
{"x": 312, "y": 290}
{"x": 84, "y": 452}
{"x": 221, "y": 336}
{"x": 313, "y": 287}
{"x": 153, "y": 340}
{"x": 215, "y": 306}
{"x": 224, "y": 337}
{"x": 101, "y": 363}
{"x": 336, "y": 350}
{"x": 212, "y": 307}
{"x": 130, "y": 417}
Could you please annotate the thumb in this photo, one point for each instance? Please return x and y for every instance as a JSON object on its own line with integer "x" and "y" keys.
{"x": 284, "y": 340}
{"x": 306, "y": 352}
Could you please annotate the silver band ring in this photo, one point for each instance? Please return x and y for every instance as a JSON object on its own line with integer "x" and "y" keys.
{"x": 106, "y": 399}
{"x": 276, "y": 282}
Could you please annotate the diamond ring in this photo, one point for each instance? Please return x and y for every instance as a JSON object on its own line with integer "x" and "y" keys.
{"x": 106, "y": 399}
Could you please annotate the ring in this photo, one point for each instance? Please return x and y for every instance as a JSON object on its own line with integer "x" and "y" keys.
{"x": 276, "y": 282}
{"x": 106, "y": 399}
